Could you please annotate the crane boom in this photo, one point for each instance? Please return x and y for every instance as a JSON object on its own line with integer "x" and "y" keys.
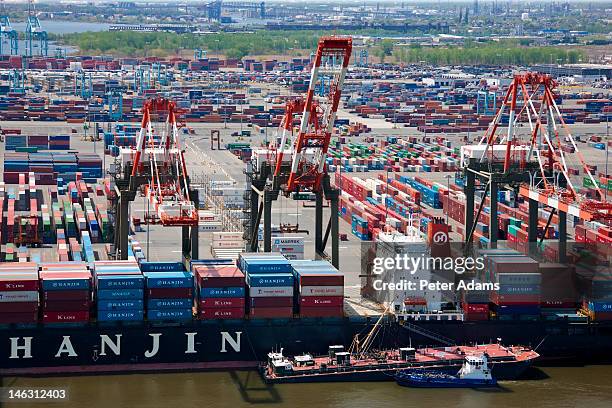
{"x": 329, "y": 69}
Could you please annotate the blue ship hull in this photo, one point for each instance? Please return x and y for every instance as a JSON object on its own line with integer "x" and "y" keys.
{"x": 427, "y": 380}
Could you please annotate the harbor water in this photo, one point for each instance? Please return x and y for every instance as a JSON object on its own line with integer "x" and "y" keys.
{"x": 589, "y": 386}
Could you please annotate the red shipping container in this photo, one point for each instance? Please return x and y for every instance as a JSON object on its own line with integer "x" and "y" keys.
{"x": 29, "y": 317}
{"x": 63, "y": 305}
{"x": 476, "y": 316}
{"x": 321, "y": 301}
{"x": 7, "y": 283}
{"x": 558, "y": 304}
{"x": 170, "y": 293}
{"x": 476, "y": 308}
{"x": 66, "y": 295}
{"x": 18, "y": 307}
{"x": 222, "y": 313}
{"x": 222, "y": 303}
{"x": 271, "y": 312}
{"x": 324, "y": 279}
{"x": 65, "y": 317}
{"x": 218, "y": 277}
{"x": 321, "y": 312}
{"x": 285, "y": 301}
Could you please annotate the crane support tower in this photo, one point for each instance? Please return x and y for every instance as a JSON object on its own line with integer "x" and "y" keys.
{"x": 300, "y": 167}
{"x": 156, "y": 168}
{"x": 8, "y": 33}
{"x": 36, "y": 36}
{"x": 532, "y": 160}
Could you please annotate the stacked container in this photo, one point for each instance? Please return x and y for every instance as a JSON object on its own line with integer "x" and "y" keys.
{"x": 269, "y": 279}
{"x": 119, "y": 291}
{"x": 18, "y": 293}
{"x": 320, "y": 289}
{"x": 475, "y": 304}
{"x": 220, "y": 291}
{"x": 519, "y": 282}
{"x": 169, "y": 295}
{"x": 66, "y": 292}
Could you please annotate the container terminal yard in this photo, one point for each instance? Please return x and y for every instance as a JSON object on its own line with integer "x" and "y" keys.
{"x": 195, "y": 213}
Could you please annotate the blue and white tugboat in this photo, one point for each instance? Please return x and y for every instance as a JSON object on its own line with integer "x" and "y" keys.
{"x": 475, "y": 373}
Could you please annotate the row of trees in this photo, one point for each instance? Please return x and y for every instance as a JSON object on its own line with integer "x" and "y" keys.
{"x": 233, "y": 45}
{"x": 238, "y": 45}
{"x": 504, "y": 53}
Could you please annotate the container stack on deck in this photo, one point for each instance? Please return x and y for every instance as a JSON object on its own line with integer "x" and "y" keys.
{"x": 66, "y": 292}
{"x": 169, "y": 295}
{"x": 119, "y": 291}
{"x": 320, "y": 289}
{"x": 221, "y": 293}
{"x": 269, "y": 279}
{"x": 19, "y": 300}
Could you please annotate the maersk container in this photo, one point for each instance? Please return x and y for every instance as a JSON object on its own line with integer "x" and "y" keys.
{"x": 269, "y": 280}
{"x": 185, "y": 303}
{"x": 120, "y": 304}
{"x": 110, "y": 294}
{"x": 169, "y": 279}
{"x": 120, "y": 282}
{"x": 162, "y": 267}
{"x": 120, "y": 315}
{"x": 169, "y": 314}
{"x": 222, "y": 292}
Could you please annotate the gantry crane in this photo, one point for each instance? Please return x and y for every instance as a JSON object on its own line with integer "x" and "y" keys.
{"x": 156, "y": 167}
{"x": 300, "y": 167}
{"x": 8, "y": 32}
{"x": 36, "y": 36}
{"x": 535, "y": 163}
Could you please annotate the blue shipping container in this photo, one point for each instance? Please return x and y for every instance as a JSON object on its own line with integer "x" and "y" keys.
{"x": 169, "y": 303}
{"x": 170, "y": 314}
{"x": 121, "y": 315}
{"x": 120, "y": 304}
{"x": 110, "y": 294}
{"x": 269, "y": 280}
{"x": 120, "y": 282}
{"x": 222, "y": 292}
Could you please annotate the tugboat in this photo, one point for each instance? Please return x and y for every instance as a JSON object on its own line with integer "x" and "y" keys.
{"x": 475, "y": 373}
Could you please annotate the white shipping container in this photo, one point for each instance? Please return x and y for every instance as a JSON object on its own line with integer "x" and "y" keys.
{"x": 227, "y": 244}
{"x": 294, "y": 256}
{"x": 19, "y": 296}
{"x": 210, "y": 227}
{"x": 283, "y": 291}
{"x": 322, "y": 291}
{"x": 227, "y": 236}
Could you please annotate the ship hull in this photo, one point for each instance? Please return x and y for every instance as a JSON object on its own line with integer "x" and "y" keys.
{"x": 503, "y": 371}
{"x": 218, "y": 345}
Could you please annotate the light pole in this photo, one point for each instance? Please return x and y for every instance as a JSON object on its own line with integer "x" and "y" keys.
{"x": 387, "y": 195}
{"x": 607, "y": 149}
{"x": 448, "y": 176}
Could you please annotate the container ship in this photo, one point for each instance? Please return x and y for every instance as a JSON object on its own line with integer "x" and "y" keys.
{"x": 78, "y": 296}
